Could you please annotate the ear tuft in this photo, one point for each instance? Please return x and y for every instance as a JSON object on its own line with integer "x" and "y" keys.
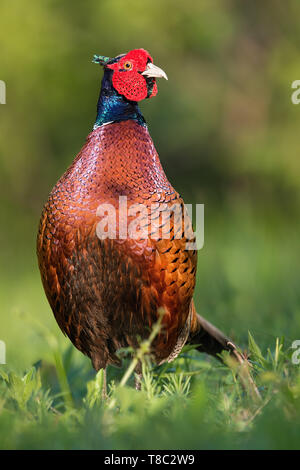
{"x": 100, "y": 59}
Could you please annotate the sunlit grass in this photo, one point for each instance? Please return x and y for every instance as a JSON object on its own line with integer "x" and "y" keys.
{"x": 186, "y": 405}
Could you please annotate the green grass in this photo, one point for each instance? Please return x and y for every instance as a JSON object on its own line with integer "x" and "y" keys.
{"x": 189, "y": 404}
{"x": 248, "y": 280}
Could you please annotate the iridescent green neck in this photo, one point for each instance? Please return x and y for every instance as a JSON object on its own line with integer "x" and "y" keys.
{"x": 113, "y": 107}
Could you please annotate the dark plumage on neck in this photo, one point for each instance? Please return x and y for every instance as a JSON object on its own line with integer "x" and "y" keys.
{"x": 113, "y": 107}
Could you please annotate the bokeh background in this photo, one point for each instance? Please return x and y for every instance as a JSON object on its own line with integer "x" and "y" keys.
{"x": 224, "y": 126}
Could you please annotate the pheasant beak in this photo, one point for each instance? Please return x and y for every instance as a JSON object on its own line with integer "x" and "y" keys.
{"x": 154, "y": 71}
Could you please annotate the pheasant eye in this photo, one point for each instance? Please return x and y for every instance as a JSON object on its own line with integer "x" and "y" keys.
{"x": 127, "y": 65}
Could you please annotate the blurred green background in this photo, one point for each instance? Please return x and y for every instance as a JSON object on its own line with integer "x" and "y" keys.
{"x": 224, "y": 126}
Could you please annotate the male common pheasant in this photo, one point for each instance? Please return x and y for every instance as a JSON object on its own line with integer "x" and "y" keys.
{"x": 108, "y": 280}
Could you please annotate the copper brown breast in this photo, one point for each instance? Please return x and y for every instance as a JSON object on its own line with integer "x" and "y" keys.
{"x": 106, "y": 293}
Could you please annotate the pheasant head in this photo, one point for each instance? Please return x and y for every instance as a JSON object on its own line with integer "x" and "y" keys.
{"x": 133, "y": 74}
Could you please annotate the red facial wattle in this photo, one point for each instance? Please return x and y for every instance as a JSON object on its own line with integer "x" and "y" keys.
{"x": 128, "y": 79}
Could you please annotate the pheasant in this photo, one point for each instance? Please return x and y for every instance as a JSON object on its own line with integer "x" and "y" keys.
{"x": 107, "y": 288}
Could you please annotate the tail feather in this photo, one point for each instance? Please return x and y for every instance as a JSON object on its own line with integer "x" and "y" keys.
{"x": 212, "y": 341}
{"x": 208, "y": 338}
